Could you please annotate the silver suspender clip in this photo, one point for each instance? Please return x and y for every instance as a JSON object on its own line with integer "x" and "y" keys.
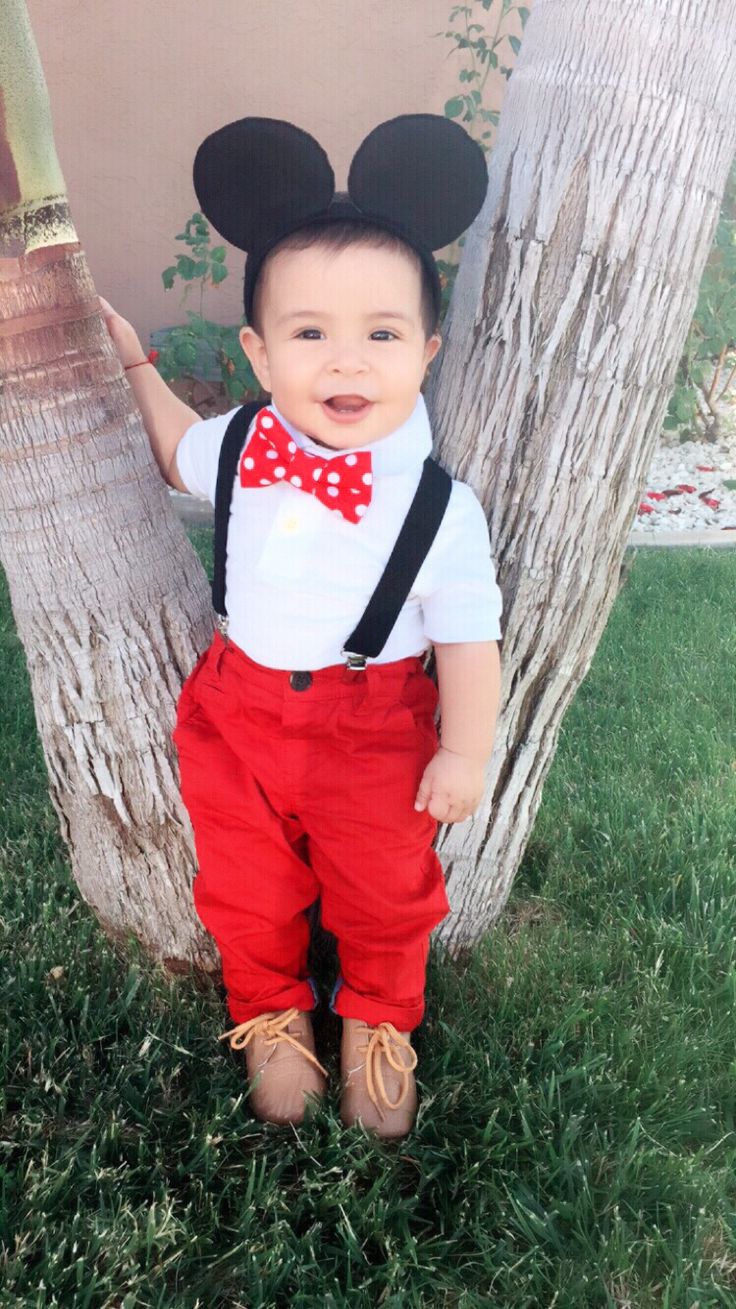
{"x": 221, "y": 621}
{"x": 354, "y": 661}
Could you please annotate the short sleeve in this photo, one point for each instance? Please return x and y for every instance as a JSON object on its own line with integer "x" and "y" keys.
{"x": 456, "y": 584}
{"x": 198, "y": 455}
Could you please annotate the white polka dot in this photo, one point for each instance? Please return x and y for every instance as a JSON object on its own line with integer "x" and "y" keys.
{"x": 265, "y": 481}
{"x": 249, "y": 463}
{"x": 351, "y": 459}
{"x": 272, "y": 454}
{"x": 360, "y": 510}
{"x": 279, "y": 472}
{"x": 333, "y": 477}
{"x": 367, "y": 478}
{"x": 266, "y": 421}
{"x": 295, "y": 481}
{"x": 317, "y": 473}
{"x": 332, "y": 490}
{"x": 291, "y": 447}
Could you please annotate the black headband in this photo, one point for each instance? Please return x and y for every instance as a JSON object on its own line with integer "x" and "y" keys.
{"x": 418, "y": 176}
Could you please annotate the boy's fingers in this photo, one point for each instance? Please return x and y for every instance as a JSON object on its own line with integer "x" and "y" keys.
{"x": 447, "y": 812}
{"x": 423, "y": 795}
{"x": 441, "y": 809}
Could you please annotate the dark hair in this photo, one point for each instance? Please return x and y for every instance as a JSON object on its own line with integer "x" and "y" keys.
{"x": 340, "y": 235}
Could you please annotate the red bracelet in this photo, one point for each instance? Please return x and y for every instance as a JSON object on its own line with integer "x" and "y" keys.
{"x": 140, "y": 361}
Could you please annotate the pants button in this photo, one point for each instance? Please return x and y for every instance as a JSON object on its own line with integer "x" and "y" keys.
{"x": 300, "y": 681}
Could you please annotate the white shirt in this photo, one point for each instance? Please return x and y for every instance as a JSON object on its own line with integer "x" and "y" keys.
{"x": 299, "y": 576}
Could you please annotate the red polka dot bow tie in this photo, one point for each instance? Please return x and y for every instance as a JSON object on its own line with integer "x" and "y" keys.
{"x": 342, "y": 483}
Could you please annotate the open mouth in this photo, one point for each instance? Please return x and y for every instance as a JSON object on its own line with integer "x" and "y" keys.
{"x": 347, "y": 404}
{"x": 347, "y": 408}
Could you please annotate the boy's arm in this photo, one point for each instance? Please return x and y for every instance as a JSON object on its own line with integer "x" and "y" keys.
{"x": 165, "y": 417}
{"x": 469, "y": 682}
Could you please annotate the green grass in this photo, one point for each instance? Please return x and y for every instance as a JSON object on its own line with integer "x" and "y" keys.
{"x": 575, "y": 1142}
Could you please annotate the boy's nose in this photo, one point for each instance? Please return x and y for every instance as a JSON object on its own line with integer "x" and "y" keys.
{"x": 348, "y": 359}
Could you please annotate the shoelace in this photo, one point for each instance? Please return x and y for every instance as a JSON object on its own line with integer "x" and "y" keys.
{"x": 272, "y": 1027}
{"x": 380, "y": 1044}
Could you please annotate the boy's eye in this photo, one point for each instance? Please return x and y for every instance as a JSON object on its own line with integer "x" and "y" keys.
{"x": 313, "y": 333}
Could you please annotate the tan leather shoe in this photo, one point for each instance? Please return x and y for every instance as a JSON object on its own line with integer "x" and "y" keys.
{"x": 281, "y": 1063}
{"x": 378, "y": 1078}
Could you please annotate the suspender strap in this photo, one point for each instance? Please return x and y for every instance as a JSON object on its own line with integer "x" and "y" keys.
{"x": 230, "y": 450}
{"x": 412, "y": 544}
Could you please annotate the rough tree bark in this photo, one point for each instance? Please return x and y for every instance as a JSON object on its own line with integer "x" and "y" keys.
{"x": 572, "y": 304}
{"x": 109, "y": 598}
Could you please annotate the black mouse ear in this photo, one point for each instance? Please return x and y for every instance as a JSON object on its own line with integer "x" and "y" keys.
{"x": 258, "y": 177}
{"x": 422, "y": 172}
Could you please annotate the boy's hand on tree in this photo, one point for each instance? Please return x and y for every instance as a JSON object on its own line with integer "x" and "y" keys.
{"x": 124, "y": 336}
{"x": 452, "y": 786}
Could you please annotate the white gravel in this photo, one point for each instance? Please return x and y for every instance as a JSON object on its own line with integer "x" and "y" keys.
{"x": 704, "y": 466}
{"x": 700, "y": 465}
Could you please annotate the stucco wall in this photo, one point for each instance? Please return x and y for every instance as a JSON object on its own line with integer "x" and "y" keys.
{"x": 135, "y": 86}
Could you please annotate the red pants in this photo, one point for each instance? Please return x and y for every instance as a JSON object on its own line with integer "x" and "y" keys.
{"x": 299, "y": 793}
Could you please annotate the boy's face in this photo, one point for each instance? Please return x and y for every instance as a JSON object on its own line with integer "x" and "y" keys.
{"x": 347, "y": 325}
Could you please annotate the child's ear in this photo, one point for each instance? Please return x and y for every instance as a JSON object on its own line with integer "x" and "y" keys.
{"x": 254, "y": 347}
{"x": 430, "y": 350}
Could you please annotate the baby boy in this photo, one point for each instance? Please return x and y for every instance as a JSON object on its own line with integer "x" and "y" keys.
{"x": 304, "y": 775}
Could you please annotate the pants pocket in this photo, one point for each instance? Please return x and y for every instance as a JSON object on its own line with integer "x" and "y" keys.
{"x": 187, "y": 704}
{"x": 420, "y": 696}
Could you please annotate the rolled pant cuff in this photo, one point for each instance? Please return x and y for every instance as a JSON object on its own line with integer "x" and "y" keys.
{"x": 303, "y": 995}
{"x": 349, "y": 1004}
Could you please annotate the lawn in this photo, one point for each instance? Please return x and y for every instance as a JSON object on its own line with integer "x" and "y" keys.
{"x": 575, "y": 1141}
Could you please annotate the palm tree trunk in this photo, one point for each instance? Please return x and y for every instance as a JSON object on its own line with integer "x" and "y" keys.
{"x": 571, "y": 307}
{"x": 109, "y": 599}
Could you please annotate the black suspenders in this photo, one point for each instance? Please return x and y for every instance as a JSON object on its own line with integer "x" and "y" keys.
{"x": 232, "y": 445}
{"x": 410, "y": 550}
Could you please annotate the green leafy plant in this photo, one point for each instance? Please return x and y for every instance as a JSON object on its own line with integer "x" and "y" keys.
{"x": 482, "y": 49}
{"x": 708, "y": 364}
{"x": 482, "y": 52}
{"x": 202, "y": 263}
{"x": 202, "y": 350}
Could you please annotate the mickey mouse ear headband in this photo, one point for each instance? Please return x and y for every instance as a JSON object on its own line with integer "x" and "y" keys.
{"x": 418, "y": 176}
